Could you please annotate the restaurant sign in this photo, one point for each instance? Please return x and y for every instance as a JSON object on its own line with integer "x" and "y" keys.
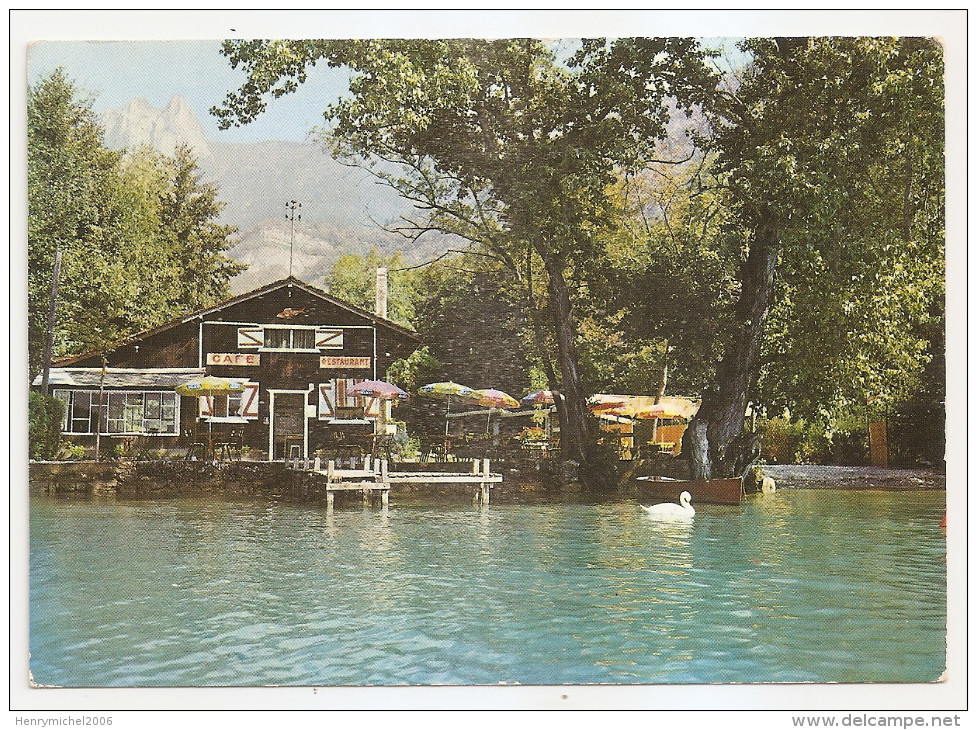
{"x": 234, "y": 358}
{"x": 332, "y": 361}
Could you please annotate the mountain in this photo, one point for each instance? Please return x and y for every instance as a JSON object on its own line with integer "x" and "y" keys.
{"x": 343, "y": 208}
{"x": 140, "y": 124}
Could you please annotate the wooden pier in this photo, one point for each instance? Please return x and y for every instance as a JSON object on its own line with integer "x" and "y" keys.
{"x": 375, "y": 476}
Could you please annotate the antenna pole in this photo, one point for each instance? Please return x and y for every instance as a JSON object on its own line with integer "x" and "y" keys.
{"x": 290, "y": 215}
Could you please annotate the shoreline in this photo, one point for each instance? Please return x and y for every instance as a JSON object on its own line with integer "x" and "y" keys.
{"x": 149, "y": 477}
{"x": 810, "y": 476}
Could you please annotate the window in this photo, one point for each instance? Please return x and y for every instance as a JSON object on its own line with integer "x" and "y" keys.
{"x": 226, "y": 405}
{"x": 283, "y": 338}
{"x": 122, "y": 411}
{"x": 303, "y": 339}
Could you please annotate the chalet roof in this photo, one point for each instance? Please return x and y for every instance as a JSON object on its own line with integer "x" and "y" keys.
{"x": 121, "y": 377}
{"x": 290, "y": 281}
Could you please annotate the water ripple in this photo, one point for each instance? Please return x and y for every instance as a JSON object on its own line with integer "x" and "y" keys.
{"x": 791, "y": 587}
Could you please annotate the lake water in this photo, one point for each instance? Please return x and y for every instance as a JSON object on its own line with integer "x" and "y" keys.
{"x": 795, "y": 586}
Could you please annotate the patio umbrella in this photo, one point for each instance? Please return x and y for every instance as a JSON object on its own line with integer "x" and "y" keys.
{"x": 641, "y": 409}
{"x": 610, "y": 404}
{"x": 491, "y": 398}
{"x": 540, "y": 397}
{"x": 209, "y": 386}
{"x": 378, "y": 389}
{"x": 445, "y": 390}
{"x": 382, "y": 391}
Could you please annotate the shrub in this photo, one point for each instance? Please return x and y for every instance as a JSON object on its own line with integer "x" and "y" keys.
{"x": 71, "y": 452}
{"x": 788, "y": 441}
{"x": 45, "y": 414}
{"x": 795, "y": 441}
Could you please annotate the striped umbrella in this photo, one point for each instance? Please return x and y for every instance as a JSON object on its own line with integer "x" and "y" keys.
{"x": 380, "y": 390}
{"x": 540, "y": 397}
{"x": 491, "y": 398}
{"x": 377, "y": 389}
{"x": 445, "y": 390}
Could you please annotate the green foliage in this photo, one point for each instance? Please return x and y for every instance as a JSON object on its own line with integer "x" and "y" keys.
{"x": 840, "y": 440}
{"x": 663, "y": 291}
{"x": 71, "y": 452}
{"x": 418, "y": 368}
{"x": 137, "y": 230}
{"x": 473, "y": 326}
{"x": 45, "y": 415}
{"x": 839, "y": 141}
{"x": 353, "y": 278}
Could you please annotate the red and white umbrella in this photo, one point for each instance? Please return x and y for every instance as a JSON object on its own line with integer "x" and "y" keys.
{"x": 540, "y": 397}
{"x": 491, "y": 398}
{"x": 378, "y": 389}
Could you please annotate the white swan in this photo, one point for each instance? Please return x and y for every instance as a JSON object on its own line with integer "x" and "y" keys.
{"x": 672, "y": 511}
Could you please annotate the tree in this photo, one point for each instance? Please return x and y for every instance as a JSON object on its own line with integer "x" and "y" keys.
{"x": 501, "y": 143}
{"x": 474, "y": 324}
{"x": 831, "y": 150}
{"x": 658, "y": 304}
{"x": 137, "y": 230}
{"x": 70, "y": 175}
{"x": 353, "y": 278}
{"x": 189, "y": 208}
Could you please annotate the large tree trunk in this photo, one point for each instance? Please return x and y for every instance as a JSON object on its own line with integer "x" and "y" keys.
{"x": 577, "y": 443}
{"x": 715, "y": 442}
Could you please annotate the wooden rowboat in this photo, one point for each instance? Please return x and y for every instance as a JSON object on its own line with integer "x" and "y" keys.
{"x": 714, "y": 491}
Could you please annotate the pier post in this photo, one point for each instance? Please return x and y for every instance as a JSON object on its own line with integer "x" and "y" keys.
{"x": 384, "y": 474}
{"x": 366, "y": 462}
{"x": 385, "y": 497}
{"x": 330, "y": 498}
{"x": 317, "y": 464}
{"x": 475, "y": 466}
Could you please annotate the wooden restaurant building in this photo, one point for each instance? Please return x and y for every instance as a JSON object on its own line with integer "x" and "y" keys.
{"x": 296, "y": 348}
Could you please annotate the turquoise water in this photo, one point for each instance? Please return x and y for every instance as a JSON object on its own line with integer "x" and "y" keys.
{"x": 796, "y": 586}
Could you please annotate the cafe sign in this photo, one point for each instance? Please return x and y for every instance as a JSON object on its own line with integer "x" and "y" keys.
{"x": 333, "y": 361}
{"x": 249, "y": 359}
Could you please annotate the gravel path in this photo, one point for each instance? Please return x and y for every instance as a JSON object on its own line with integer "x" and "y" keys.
{"x": 853, "y": 477}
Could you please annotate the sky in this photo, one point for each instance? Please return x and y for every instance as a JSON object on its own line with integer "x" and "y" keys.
{"x": 112, "y": 73}
{"x": 117, "y": 56}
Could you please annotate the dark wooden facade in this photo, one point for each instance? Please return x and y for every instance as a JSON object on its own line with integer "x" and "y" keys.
{"x": 297, "y": 347}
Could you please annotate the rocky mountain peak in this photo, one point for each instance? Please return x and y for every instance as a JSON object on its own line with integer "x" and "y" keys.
{"x": 141, "y": 124}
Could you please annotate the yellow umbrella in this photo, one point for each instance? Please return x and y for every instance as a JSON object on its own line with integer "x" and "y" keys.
{"x": 445, "y": 390}
{"x": 210, "y": 385}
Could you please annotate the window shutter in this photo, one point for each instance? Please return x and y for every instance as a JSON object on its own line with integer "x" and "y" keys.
{"x": 206, "y": 405}
{"x": 327, "y": 399}
{"x": 351, "y": 401}
{"x": 250, "y": 337}
{"x": 329, "y": 339}
{"x": 373, "y": 405}
{"x": 249, "y": 400}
